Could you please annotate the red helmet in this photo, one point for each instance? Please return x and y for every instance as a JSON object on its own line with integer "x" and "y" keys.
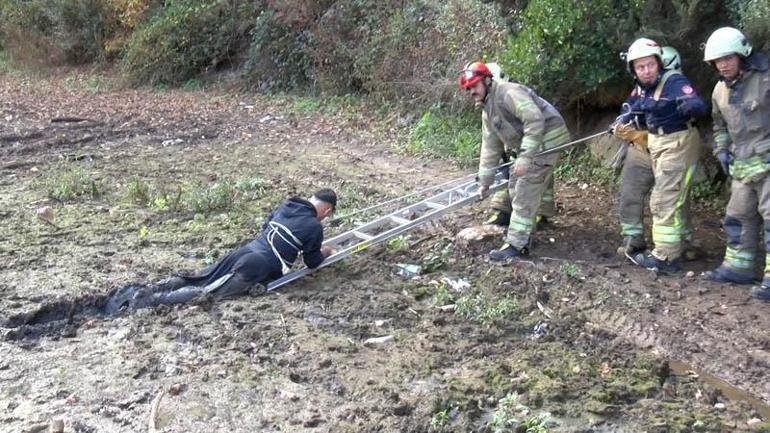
{"x": 473, "y": 73}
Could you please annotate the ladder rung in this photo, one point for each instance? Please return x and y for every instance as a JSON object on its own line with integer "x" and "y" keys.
{"x": 433, "y": 205}
{"x": 399, "y": 220}
{"x": 362, "y": 236}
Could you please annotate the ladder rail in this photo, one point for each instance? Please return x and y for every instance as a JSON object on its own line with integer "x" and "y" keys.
{"x": 466, "y": 193}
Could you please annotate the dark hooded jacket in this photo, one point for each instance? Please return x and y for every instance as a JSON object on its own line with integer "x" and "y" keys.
{"x": 300, "y": 217}
{"x": 256, "y": 262}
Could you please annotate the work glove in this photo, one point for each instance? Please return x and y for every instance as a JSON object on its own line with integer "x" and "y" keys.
{"x": 505, "y": 171}
{"x": 725, "y": 159}
{"x": 687, "y": 106}
{"x": 630, "y": 134}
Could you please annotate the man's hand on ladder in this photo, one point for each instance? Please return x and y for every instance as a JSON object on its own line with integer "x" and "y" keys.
{"x": 327, "y": 250}
{"x": 483, "y": 192}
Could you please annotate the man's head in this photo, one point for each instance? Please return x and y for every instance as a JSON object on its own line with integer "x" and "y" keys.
{"x": 475, "y": 78}
{"x": 645, "y": 60}
{"x": 725, "y": 50}
{"x": 325, "y": 202}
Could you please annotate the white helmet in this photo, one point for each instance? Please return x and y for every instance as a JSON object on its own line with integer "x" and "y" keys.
{"x": 642, "y": 47}
{"x": 497, "y": 72}
{"x": 726, "y": 41}
{"x": 671, "y": 59}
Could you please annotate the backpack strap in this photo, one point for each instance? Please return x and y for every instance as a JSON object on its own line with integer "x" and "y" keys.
{"x": 662, "y": 83}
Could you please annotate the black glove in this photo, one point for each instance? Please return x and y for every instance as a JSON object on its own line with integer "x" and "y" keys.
{"x": 686, "y": 106}
{"x": 725, "y": 159}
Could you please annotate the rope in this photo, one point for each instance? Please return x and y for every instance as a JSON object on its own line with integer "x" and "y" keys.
{"x": 460, "y": 179}
{"x": 275, "y": 229}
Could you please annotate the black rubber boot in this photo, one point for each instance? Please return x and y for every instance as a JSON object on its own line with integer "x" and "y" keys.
{"x": 762, "y": 292}
{"x": 724, "y": 274}
{"x": 631, "y": 246}
{"x": 499, "y": 218}
{"x": 507, "y": 253}
{"x": 655, "y": 264}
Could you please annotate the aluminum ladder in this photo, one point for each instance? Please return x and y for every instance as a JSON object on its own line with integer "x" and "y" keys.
{"x": 391, "y": 225}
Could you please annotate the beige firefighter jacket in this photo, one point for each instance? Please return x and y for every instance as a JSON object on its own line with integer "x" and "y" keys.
{"x": 741, "y": 113}
{"x": 516, "y": 119}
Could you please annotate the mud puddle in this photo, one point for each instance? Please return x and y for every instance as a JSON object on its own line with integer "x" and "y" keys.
{"x": 733, "y": 393}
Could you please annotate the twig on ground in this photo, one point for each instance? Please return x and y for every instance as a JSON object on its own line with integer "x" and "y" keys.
{"x": 154, "y": 408}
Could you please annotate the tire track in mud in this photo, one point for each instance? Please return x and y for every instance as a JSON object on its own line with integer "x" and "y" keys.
{"x": 620, "y": 324}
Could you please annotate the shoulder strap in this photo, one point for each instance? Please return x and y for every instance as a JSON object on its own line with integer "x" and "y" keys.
{"x": 662, "y": 83}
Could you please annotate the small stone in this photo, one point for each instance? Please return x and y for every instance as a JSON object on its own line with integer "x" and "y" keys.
{"x": 36, "y": 428}
{"x": 690, "y": 275}
{"x": 752, "y": 422}
{"x": 57, "y": 426}
{"x": 45, "y": 213}
{"x": 176, "y": 388}
{"x": 720, "y": 406}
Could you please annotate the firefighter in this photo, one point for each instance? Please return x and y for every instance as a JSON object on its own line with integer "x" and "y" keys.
{"x": 741, "y": 115}
{"x": 500, "y": 203}
{"x": 637, "y": 178}
{"x": 292, "y": 228}
{"x": 664, "y": 103}
{"x": 515, "y": 120}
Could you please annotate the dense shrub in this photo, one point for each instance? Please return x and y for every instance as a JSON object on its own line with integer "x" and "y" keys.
{"x": 185, "y": 38}
{"x": 753, "y": 16}
{"x": 55, "y": 31}
{"x": 402, "y": 50}
{"x": 569, "y": 50}
{"x": 447, "y": 135}
{"x": 278, "y": 57}
{"x": 566, "y": 49}
{"x": 392, "y": 49}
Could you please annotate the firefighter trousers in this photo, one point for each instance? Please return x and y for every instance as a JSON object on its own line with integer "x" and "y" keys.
{"x": 526, "y": 194}
{"x": 749, "y": 204}
{"x": 674, "y": 161}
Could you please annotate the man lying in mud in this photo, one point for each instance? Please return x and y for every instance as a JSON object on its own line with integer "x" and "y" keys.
{"x": 292, "y": 228}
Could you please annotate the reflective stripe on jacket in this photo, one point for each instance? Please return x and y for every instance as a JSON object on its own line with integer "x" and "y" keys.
{"x": 741, "y": 113}
{"x": 516, "y": 119}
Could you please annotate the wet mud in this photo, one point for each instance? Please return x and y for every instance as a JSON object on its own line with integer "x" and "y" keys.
{"x": 573, "y": 336}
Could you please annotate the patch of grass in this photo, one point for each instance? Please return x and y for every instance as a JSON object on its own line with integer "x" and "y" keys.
{"x": 436, "y": 259}
{"x": 306, "y": 104}
{"x": 571, "y": 270}
{"x": 484, "y": 309}
{"x": 138, "y": 191}
{"x": 443, "y": 296}
{"x": 193, "y": 84}
{"x": 89, "y": 82}
{"x": 447, "y": 135}
{"x": 504, "y": 418}
{"x": 709, "y": 194}
{"x": 398, "y": 244}
{"x": 218, "y": 196}
{"x": 579, "y": 165}
{"x": 509, "y": 412}
{"x": 440, "y": 419}
{"x": 70, "y": 181}
{"x": 537, "y": 423}
{"x": 199, "y": 198}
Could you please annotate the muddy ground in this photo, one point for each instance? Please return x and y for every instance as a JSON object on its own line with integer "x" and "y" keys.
{"x": 143, "y": 183}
